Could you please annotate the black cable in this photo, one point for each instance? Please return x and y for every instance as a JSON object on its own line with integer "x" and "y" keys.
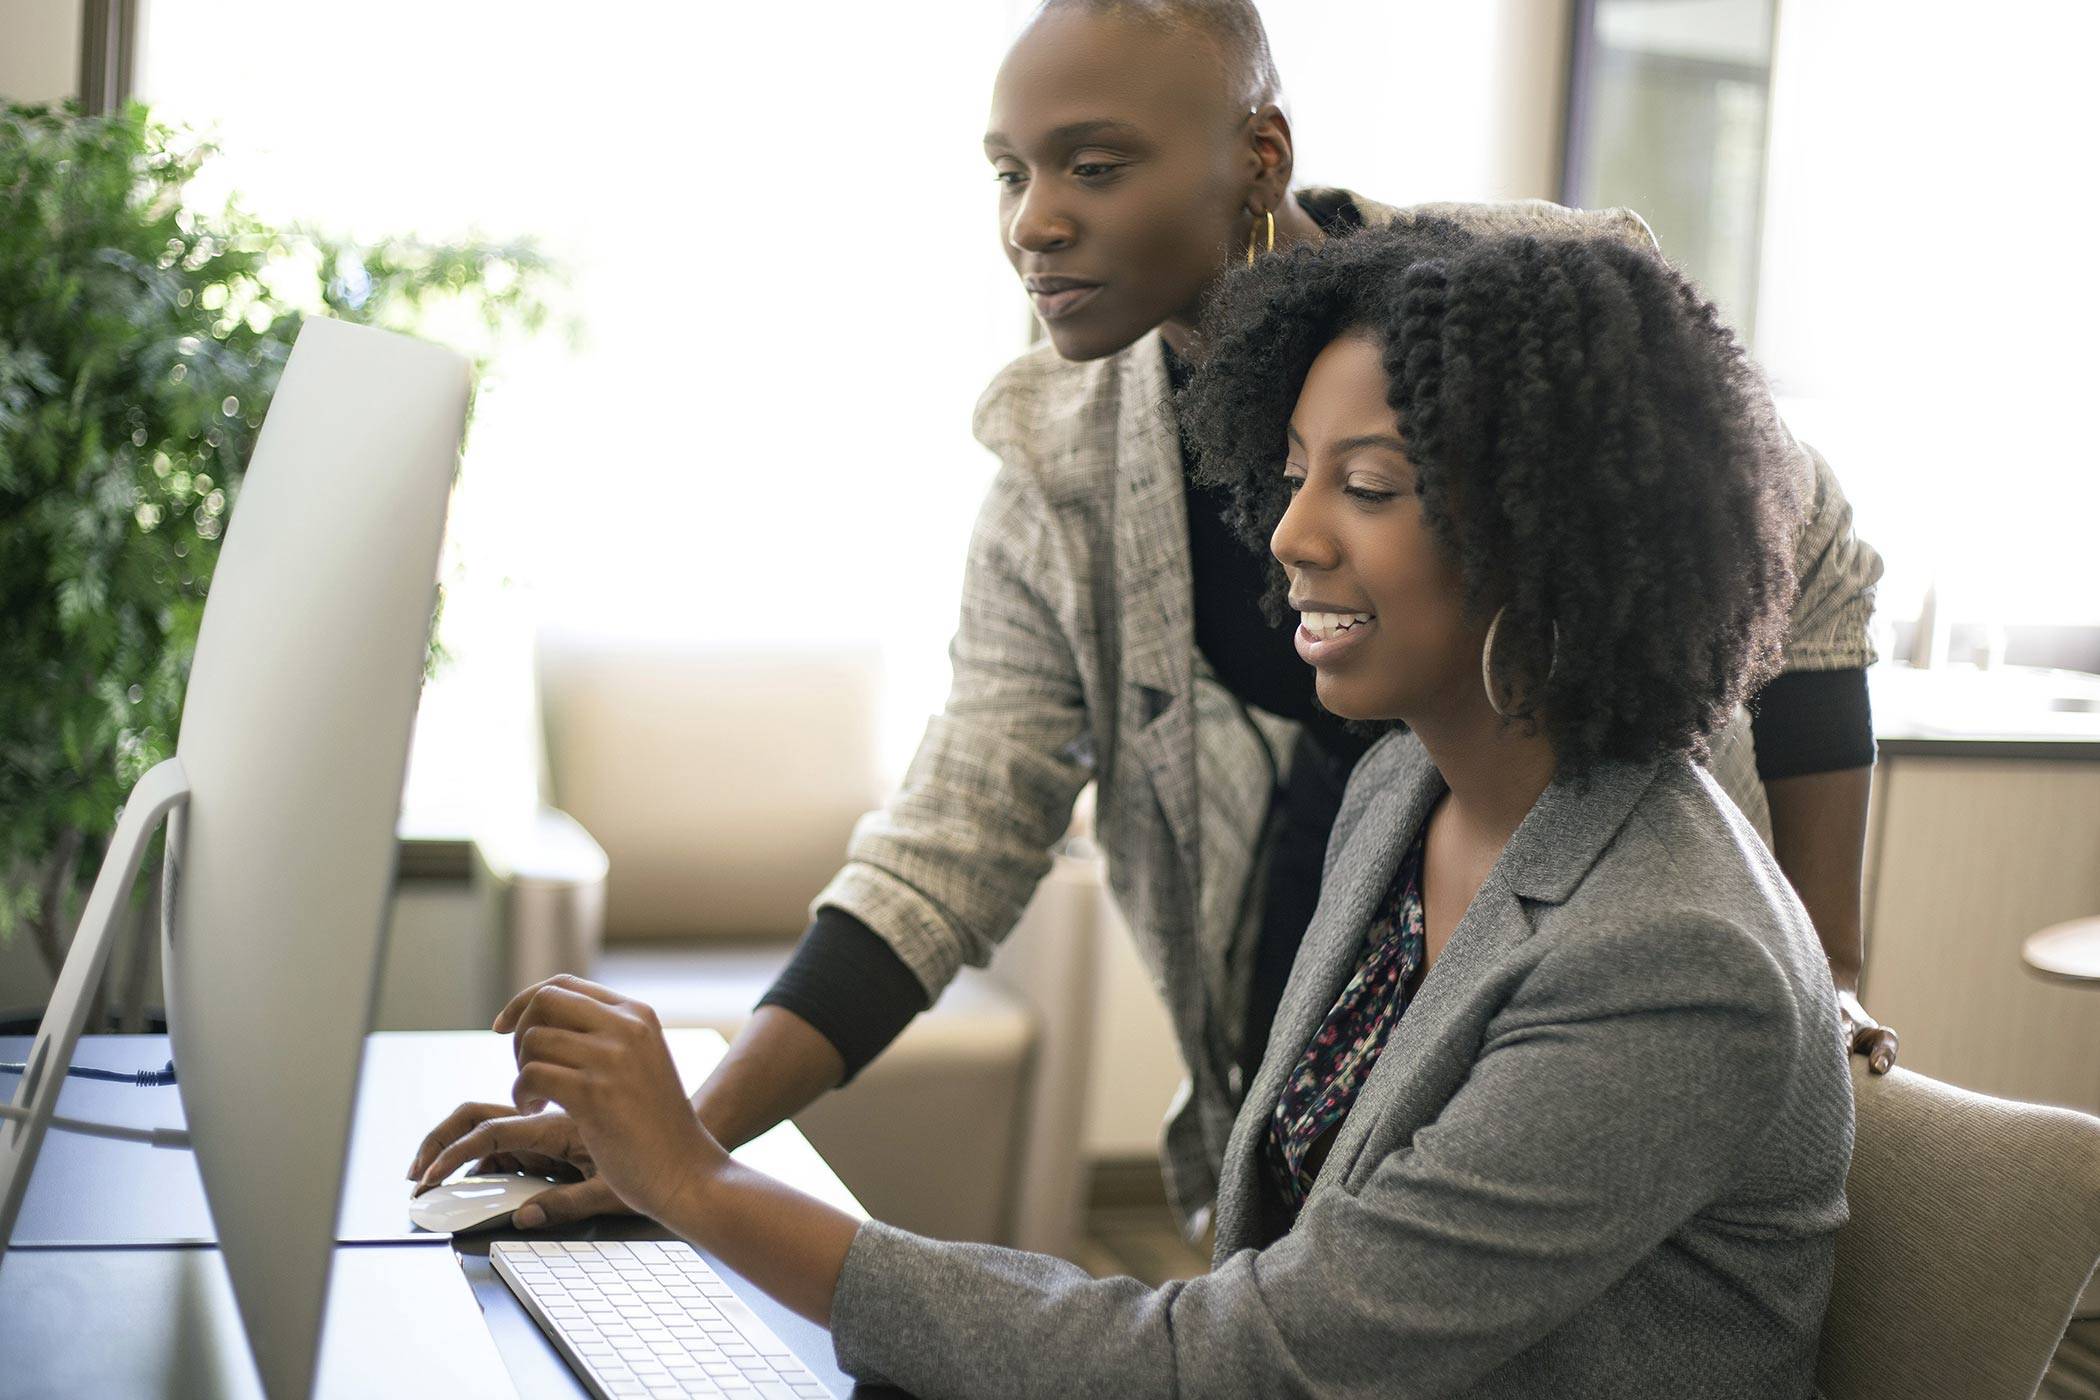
{"x": 144, "y": 1078}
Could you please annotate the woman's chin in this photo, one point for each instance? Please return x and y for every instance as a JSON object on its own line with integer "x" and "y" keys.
{"x": 1075, "y": 341}
{"x": 1336, "y": 699}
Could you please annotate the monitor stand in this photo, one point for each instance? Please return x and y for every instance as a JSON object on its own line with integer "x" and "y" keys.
{"x": 163, "y": 788}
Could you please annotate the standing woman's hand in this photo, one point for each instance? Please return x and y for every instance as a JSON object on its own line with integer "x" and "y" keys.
{"x": 1864, "y": 1035}
{"x": 603, "y": 1058}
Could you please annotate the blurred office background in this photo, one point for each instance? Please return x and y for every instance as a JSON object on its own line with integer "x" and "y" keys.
{"x": 705, "y": 552}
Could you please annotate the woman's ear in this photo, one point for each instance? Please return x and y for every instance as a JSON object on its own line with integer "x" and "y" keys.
{"x": 1270, "y": 144}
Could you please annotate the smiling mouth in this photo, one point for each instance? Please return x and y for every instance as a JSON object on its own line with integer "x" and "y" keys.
{"x": 1325, "y": 626}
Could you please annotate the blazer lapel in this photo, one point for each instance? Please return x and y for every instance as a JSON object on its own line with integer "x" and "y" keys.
{"x": 1551, "y": 851}
{"x": 1407, "y": 785}
{"x": 1152, "y": 585}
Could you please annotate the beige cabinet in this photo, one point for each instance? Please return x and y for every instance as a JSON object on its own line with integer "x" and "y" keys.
{"x": 1973, "y": 846}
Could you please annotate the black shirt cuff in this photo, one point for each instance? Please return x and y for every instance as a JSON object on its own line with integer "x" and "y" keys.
{"x": 1812, "y": 722}
{"x": 850, "y": 984}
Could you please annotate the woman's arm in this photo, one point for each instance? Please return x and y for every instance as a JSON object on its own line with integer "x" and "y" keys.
{"x": 1819, "y": 831}
{"x": 789, "y": 1244}
{"x": 945, "y": 868}
{"x": 1819, "y": 817}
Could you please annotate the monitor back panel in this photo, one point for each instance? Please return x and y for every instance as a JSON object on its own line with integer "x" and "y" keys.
{"x": 294, "y": 737}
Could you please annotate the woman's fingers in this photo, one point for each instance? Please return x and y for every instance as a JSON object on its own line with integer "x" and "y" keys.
{"x": 1864, "y": 1035}
{"x": 565, "y": 1204}
{"x": 562, "y": 1007}
{"x": 457, "y": 1123}
{"x": 555, "y": 1045}
{"x": 1878, "y": 1044}
{"x": 511, "y": 1133}
{"x": 539, "y": 1084}
{"x": 507, "y": 1018}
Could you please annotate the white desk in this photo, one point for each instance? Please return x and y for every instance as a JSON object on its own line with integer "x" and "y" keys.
{"x": 111, "y": 1286}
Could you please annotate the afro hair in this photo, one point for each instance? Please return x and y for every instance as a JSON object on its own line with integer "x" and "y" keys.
{"x": 1590, "y": 443}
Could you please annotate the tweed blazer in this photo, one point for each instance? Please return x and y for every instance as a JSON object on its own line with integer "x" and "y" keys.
{"x": 1603, "y": 1153}
{"x": 1075, "y": 661}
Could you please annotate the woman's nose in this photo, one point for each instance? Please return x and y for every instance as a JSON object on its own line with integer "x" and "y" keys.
{"x": 1299, "y": 540}
{"x": 1036, "y": 226}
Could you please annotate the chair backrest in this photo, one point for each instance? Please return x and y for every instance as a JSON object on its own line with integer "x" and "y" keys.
{"x": 722, "y": 782}
{"x": 1975, "y": 1226}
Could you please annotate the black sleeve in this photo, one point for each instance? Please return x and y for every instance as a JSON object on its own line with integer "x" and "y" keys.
{"x": 1812, "y": 722}
{"x": 851, "y": 985}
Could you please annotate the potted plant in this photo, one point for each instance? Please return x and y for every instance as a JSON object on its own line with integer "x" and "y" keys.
{"x": 140, "y": 341}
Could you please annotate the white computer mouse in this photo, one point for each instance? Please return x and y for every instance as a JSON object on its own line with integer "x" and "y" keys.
{"x": 473, "y": 1202}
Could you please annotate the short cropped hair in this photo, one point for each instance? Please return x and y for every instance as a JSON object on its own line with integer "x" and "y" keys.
{"x": 1232, "y": 27}
{"x": 1591, "y": 445}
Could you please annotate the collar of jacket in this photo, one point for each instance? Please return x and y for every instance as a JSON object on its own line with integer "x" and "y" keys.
{"x": 1552, "y": 849}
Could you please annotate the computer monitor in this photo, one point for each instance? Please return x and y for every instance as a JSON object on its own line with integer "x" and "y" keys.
{"x": 283, "y": 797}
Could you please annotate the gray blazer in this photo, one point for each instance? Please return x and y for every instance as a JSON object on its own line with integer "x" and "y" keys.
{"x": 1602, "y": 1154}
{"x": 1075, "y": 662}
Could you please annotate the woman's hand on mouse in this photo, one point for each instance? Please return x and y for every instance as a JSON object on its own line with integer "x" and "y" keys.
{"x": 603, "y": 1059}
{"x": 503, "y": 1140}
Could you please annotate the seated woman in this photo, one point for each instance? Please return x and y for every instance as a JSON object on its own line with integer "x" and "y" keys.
{"x": 1555, "y": 1102}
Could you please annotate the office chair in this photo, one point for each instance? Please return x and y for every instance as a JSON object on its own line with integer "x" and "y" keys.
{"x": 1975, "y": 1227}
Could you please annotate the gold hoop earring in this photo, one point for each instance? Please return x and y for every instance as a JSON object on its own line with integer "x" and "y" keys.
{"x": 1487, "y": 666}
{"x": 1270, "y": 217}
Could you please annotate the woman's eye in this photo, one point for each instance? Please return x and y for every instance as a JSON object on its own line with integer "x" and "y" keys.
{"x": 1292, "y": 485}
{"x": 1369, "y": 496}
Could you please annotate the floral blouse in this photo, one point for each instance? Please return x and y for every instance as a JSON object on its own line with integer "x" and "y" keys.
{"x": 1344, "y": 1050}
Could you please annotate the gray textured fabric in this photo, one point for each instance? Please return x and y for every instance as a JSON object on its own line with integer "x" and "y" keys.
{"x": 1075, "y": 660}
{"x": 1602, "y": 1154}
{"x": 1975, "y": 1223}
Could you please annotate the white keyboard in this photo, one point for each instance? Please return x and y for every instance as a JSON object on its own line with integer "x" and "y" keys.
{"x": 649, "y": 1318}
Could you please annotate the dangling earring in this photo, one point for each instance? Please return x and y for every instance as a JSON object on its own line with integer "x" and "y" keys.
{"x": 1252, "y": 232}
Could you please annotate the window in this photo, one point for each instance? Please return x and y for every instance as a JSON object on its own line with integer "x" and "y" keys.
{"x": 1926, "y": 310}
{"x": 780, "y": 225}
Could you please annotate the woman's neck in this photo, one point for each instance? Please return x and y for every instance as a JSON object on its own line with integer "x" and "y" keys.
{"x": 1293, "y": 225}
{"x": 1496, "y": 770}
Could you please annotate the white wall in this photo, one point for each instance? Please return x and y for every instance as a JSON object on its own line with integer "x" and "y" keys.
{"x": 39, "y": 49}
